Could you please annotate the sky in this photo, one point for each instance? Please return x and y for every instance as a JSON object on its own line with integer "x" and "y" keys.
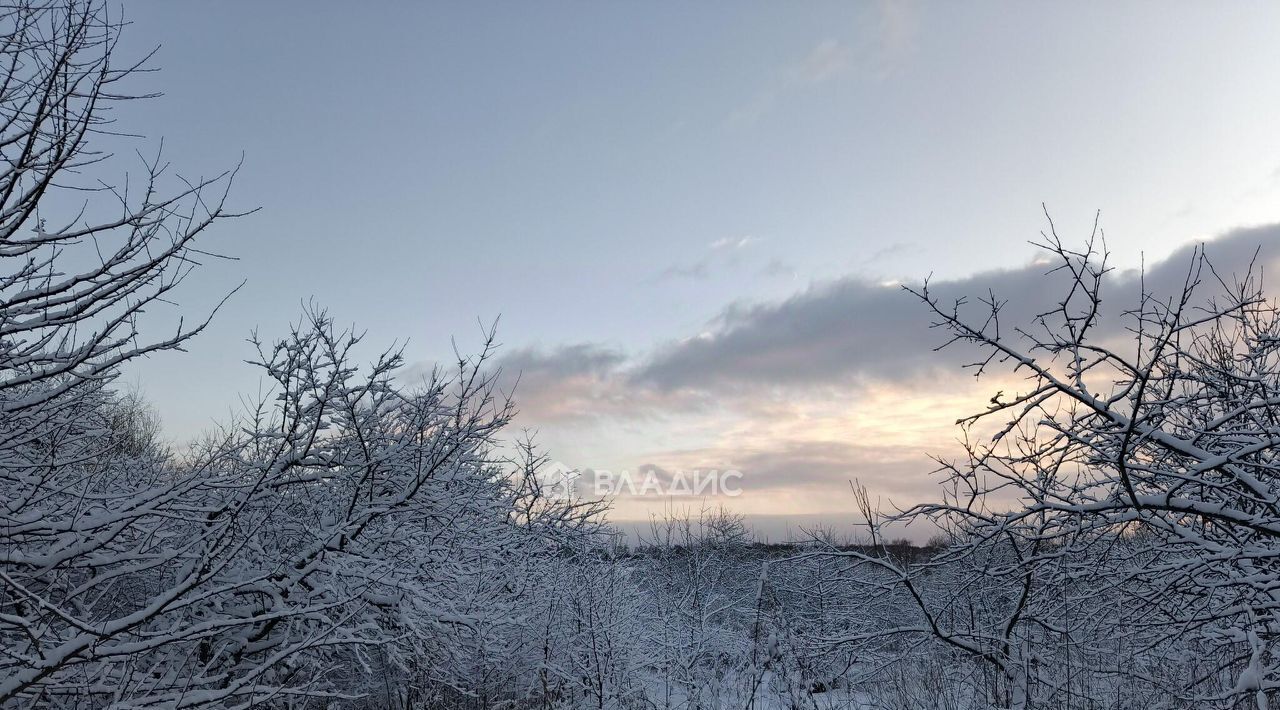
{"x": 690, "y": 219}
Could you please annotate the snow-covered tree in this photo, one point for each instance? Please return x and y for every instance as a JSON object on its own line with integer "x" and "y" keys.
{"x": 1112, "y": 532}
{"x": 349, "y": 540}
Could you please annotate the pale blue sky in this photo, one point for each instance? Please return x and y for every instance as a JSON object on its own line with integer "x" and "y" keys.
{"x": 617, "y": 174}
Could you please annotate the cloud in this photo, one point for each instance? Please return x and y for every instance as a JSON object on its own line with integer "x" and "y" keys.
{"x": 551, "y": 384}
{"x": 852, "y": 329}
{"x": 726, "y": 251}
{"x": 732, "y": 243}
{"x": 538, "y": 366}
{"x": 839, "y": 381}
{"x": 831, "y": 330}
{"x": 580, "y": 381}
{"x": 850, "y": 332}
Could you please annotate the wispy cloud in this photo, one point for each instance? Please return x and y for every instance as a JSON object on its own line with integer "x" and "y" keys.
{"x": 725, "y": 251}
{"x": 732, "y": 243}
{"x": 894, "y": 36}
{"x": 881, "y": 40}
{"x": 828, "y": 59}
{"x": 825, "y": 61}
